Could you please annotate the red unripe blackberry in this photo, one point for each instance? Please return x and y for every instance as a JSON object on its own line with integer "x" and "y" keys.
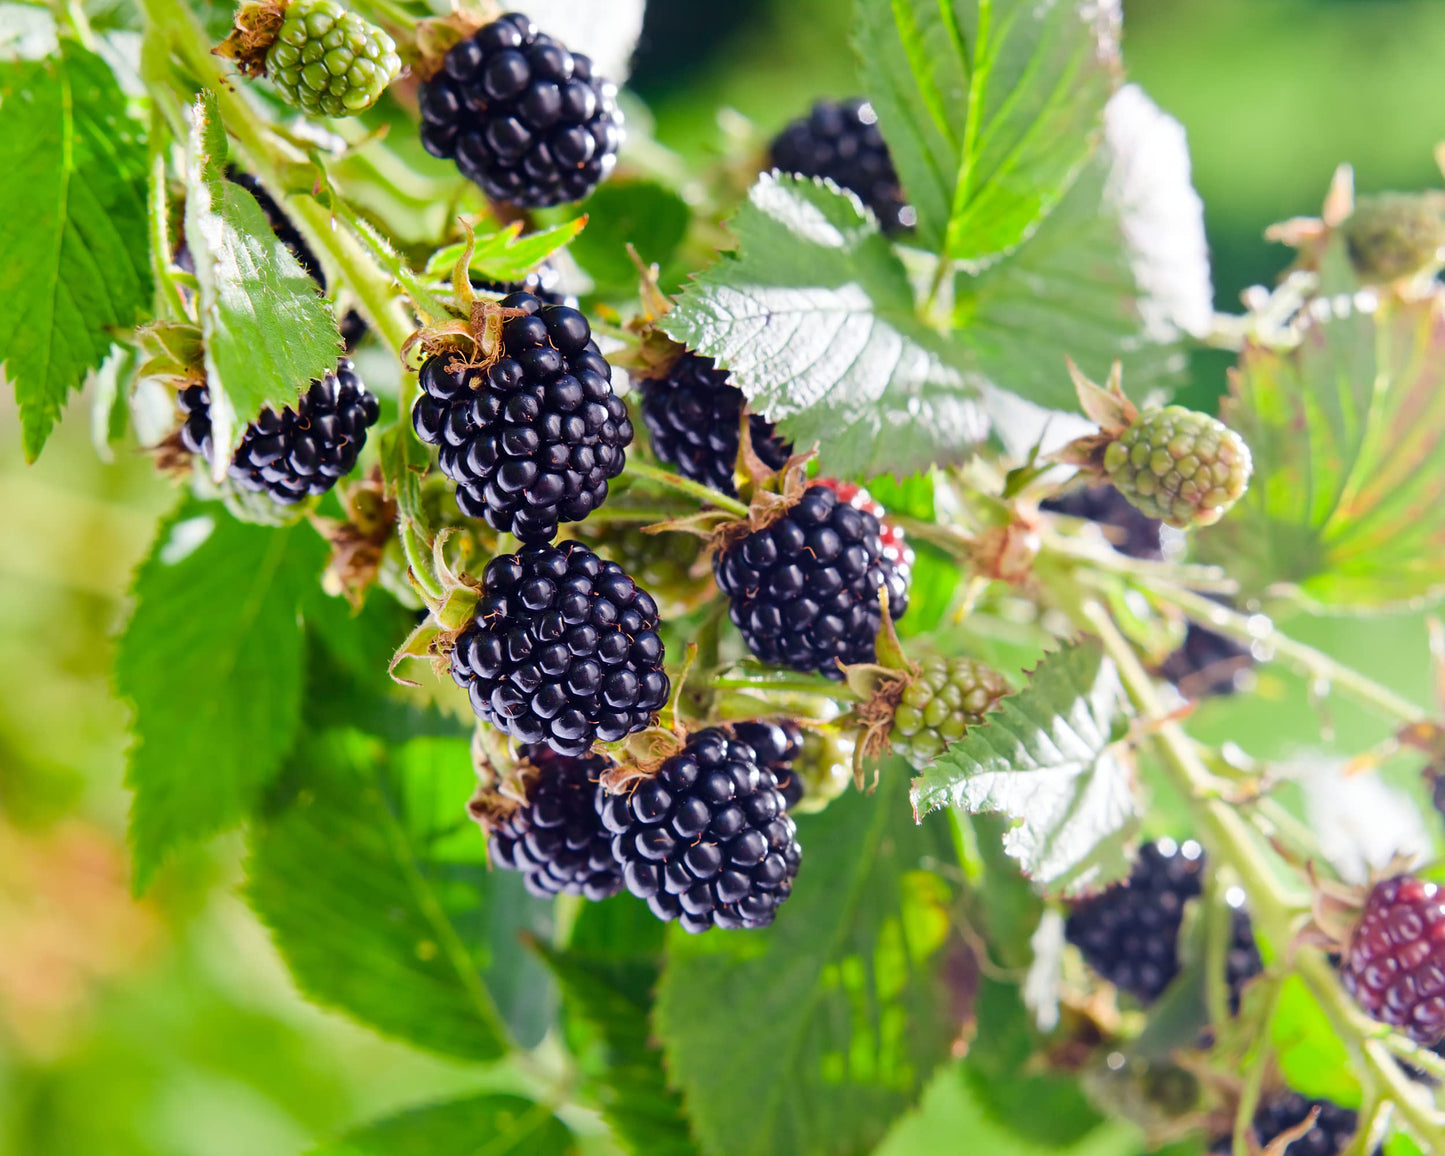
{"x": 521, "y": 116}
{"x": 804, "y": 591}
{"x": 563, "y": 649}
{"x": 556, "y": 840}
{"x": 777, "y": 743}
{"x": 693, "y": 416}
{"x": 707, "y": 840}
{"x": 1395, "y": 965}
{"x": 298, "y": 452}
{"x": 1129, "y": 933}
{"x": 532, "y": 440}
{"x": 841, "y": 141}
{"x": 1331, "y": 1133}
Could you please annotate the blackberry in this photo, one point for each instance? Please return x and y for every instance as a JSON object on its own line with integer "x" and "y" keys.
{"x": 777, "y": 743}
{"x": 328, "y": 61}
{"x": 1207, "y": 663}
{"x": 299, "y": 451}
{"x": 841, "y": 141}
{"x": 556, "y": 840}
{"x": 1395, "y": 965}
{"x": 563, "y": 649}
{"x": 1129, "y": 933}
{"x": 1132, "y": 533}
{"x": 693, "y": 417}
{"x": 532, "y": 440}
{"x": 1333, "y": 1129}
{"x": 1242, "y": 961}
{"x": 804, "y": 591}
{"x": 948, "y": 696}
{"x": 521, "y": 116}
{"x": 1180, "y": 466}
{"x": 706, "y": 841}
{"x": 668, "y": 565}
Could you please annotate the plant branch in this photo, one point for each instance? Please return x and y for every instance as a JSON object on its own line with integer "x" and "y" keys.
{"x": 647, "y": 472}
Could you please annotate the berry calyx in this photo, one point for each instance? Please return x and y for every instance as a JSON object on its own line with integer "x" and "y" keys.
{"x": 943, "y": 698}
{"x": 804, "y": 588}
{"x": 301, "y": 451}
{"x": 521, "y": 116}
{"x": 555, "y": 838}
{"x": 841, "y": 141}
{"x": 706, "y": 840}
{"x": 532, "y": 438}
{"x": 563, "y": 649}
{"x": 693, "y": 416}
{"x": 1129, "y": 933}
{"x": 1395, "y": 963}
{"x": 328, "y": 61}
{"x": 1180, "y": 466}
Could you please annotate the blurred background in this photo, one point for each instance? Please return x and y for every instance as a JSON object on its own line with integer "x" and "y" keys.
{"x": 167, "y": 1027}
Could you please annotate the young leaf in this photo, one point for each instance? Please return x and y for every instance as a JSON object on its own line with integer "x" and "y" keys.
{"x": 497, "y": 1125}
{"x": 72, "y": 228}
{"x": 989, "y": 109}
{"x": 815, "y": 1034}
{"x": 1046, "y": 757}
{"x": 268, "y": 333}
{"x": 212, "y": 662}
{"x": 1348, "y": 436}
{"x": 375, "y": 913}
{"x": 813, "y": 315}
{"x": 653, "y": 219}
{"x": 505, "y": 256}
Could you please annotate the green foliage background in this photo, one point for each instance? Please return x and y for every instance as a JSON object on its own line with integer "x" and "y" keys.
{"x": 170, "y": 1026}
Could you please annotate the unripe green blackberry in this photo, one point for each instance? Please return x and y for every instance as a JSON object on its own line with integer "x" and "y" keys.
{"x": 948, "y": 696}
{"x": 1180, "y": 466}
{"x": 1395, "y": 235}
{"x": 330, "y": 62}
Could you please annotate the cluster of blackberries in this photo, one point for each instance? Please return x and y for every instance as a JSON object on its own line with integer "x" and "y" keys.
{"x": 841, "y": 141}
{"x": 533, "y": 439}
{"x": 521, "y": 116}
{"x": 1330, "y": 1134}
{"x": 295, "y": 453}
{"x": 1129, "y": 933}
{"x": 694, "y": 417}
{"x": 563, "y": 649}
{"x": 804, "y": 591}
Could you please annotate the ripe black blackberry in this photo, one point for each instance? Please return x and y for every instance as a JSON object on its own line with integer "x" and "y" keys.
{"x": 532, "y": 440}
{"x": 804, "y": 591}
{"x": 1242, "y": 961}
{"x": 841, "y": 141}
{"x": 1207, "y": 663}
{"x": 777, "y": 743}
{"x": 1332, "y": 1131}
{"x": 563, "y": 649}
{"x": 1128, "y": 530}
{"x": 521, "y": 116}
{"x": 556, "y": 840}
{"x": 299, "y": 451}
{"x": 1129, "y": 933}
{"x": 693, "y": 417}
{"x": 707, "y": 840}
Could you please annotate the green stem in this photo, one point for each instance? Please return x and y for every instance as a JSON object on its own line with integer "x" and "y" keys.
{"x": 651, "y": 473}
{"x": 1102, "y": 557}
{"x": 607, "y": 515}
{"x": 820, "y": 689}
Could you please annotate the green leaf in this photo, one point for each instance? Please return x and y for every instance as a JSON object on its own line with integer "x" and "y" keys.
{"x": 1119, "y": 270}
{"x": 1047, "y": 758}
{"x": 492, "y": 1125}
{"x": 813, "y": 315}
{"x": 813, "y": 1035}
{"x": 989, "y": 109}
{"x": 72, "y": 228}
{"x": 504, "y": 255}
{"x": 1312, "y": 1057}
{"x": 653, "y": 219}
{"x": 375, "y": 885}
{"x": 268, "y": 332}
{"x": 212, "y": 663}
{"x": 1347, "y": 502}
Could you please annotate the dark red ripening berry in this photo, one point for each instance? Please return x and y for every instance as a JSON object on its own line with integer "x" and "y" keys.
{"x": 1395, "y": 965}
{"x": 841, "y": 141}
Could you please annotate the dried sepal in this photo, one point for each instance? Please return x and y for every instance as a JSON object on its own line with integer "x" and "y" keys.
{"x": 256, "y": 27}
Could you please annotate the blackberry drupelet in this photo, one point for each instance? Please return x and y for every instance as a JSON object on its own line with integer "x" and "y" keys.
{"x": 299, "y": 451}
{"x": 1129, "y": 933}
{"x": 557, "y": 840}
{"x": 1332, "y": 1131}
{"x": 1395, "y": 965}
{"x": 532, "y": 440}
{"x": 707, "y": 840}
{"x": 1131, "y": 533}
{"x": 521, "y": 116}
{"x": 804, "y": 591}
{"x": 693, "y": 417}
{"x": 563, "y": 649}
{"x": 777, "y": 743}
{"x": 841, "y": 141}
